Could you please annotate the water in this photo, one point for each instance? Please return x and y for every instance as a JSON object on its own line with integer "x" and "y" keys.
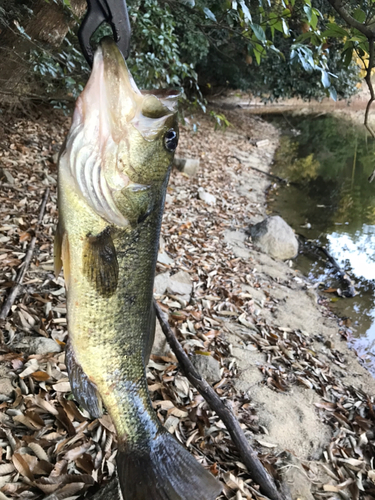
{"x": 330, "y": 161}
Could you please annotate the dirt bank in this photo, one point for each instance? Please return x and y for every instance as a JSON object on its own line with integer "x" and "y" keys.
{"x": 292, "y": 361}
{"x": 302, "y": 398}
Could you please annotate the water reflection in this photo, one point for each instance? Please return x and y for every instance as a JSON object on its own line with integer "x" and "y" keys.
{"x": 333, "y": 203}
{"x": 358, "y": 248}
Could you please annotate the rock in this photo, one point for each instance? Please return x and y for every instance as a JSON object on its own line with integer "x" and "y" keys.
{"x": 163, "y": 257}
{"x": 180, "y": 284}
{"x": 208, "y": 367}
{"x": 43, "y": 346}
{"x": 275, "y": 237}
{"x": 177, "y": 284}
{"x": 161, "y": 283}
{"x": 261, "y": 144}
{"x": 6, "y": 388}
{"x": 38, "y": 345}
{"x": 208, "y": 198}
{"x": 188, "y": 166}
{"x": 160, "y": 346}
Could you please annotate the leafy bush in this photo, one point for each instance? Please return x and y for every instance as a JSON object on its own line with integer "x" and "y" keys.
{"x": 273, "y": 50}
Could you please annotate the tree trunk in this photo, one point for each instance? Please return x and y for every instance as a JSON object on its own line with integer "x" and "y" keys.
{"x": 38, "y": 24}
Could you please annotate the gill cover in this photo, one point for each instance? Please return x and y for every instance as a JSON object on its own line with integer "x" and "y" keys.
{"x": 107, "y": 113}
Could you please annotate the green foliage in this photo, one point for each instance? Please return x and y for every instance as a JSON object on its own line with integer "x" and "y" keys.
{"x": 272, "y": 48}
{"x": 221, "y": 121}
{"x": 62, "y": 73}
{"x": 156, "y": 60}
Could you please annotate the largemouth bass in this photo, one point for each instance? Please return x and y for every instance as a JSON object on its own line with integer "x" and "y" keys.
{"x": 113, "y": 173}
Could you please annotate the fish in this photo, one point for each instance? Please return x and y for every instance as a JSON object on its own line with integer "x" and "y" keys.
{"x": 113, "y": 172}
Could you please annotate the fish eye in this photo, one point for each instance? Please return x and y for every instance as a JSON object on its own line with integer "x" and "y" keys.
{"x": 171, "y": 140}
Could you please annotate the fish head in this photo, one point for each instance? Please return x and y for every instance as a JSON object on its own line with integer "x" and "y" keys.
{"x": 122, "y": 140}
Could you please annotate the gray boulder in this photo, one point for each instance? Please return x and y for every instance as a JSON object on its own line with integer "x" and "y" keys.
{"x": 177, "y": 284}
{"x": 208, "y": 198}
{"x": 189, "y": 166}
{"x": 38, "y": 345}
{"x": 160, "y": 346}
{"x": 208, "y": 367}
{"x": 275, "y": 237}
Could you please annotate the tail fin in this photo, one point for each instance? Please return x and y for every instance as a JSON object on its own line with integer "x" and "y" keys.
{"x": 164, "y": 470}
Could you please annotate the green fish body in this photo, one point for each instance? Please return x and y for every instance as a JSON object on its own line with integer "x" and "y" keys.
{"x": 113, "y": 174}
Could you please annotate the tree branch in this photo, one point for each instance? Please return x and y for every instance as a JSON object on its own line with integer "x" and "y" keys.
{"x": 340, "y": 9}
{"x": 369, "y": 84}
{"x": 370, "y": 34}
{"x": 6, "y": 307}
{"x": 255, "y": 468}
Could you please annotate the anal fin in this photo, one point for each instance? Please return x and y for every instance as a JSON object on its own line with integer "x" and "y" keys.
{"x": 83, "y": 389}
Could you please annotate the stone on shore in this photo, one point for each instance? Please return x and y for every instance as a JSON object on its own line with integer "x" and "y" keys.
{"x": 275, "y": 237}
{"x": 163, "y": 257}
{"x": 38, "y": 345}
{"x": 160, "y": 346}
{"x": 208, "y": 367}
{"x": 208, "y": 198}
{"x": 177, "y": 284}
{"x": 188, "y": 166}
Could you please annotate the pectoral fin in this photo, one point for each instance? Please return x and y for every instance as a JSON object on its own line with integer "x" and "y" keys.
{"x": 100, "y": 265}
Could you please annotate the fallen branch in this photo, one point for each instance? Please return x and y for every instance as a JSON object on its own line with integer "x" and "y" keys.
{"x": 272, "y": 176}
{"x": 25, "y": 265}
{"x": 351, "y": 292}
{"x": 367, "y": 29}
{"x": 249, "y": 457}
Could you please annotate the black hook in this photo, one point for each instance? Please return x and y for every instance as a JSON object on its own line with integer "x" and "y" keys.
{"x": 115, "y": 13}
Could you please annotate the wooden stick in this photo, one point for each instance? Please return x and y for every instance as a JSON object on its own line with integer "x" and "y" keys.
{"x": 254, "y": 466}
{"x": 25, "y": 265}
{"x": 351, "y": 292}
{"x": 271, "y": 176}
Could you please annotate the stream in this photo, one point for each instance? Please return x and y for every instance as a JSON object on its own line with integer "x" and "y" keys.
{"x": 332, "y": 203}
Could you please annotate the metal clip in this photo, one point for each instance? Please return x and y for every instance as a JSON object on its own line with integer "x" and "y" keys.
{"x": 115, "y": 13}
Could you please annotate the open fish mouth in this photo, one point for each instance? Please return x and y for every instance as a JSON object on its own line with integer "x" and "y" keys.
{"x": 112, "y": 89}
{"x": 113, "y": 118}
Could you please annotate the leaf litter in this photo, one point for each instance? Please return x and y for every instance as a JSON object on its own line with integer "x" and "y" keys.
{"x": 49, "y": 447}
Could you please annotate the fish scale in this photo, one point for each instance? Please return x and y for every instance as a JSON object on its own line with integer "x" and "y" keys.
{"x": 113, "y": 176}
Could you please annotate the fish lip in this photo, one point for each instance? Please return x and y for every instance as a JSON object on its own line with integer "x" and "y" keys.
{"x": 147, "y": 111}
